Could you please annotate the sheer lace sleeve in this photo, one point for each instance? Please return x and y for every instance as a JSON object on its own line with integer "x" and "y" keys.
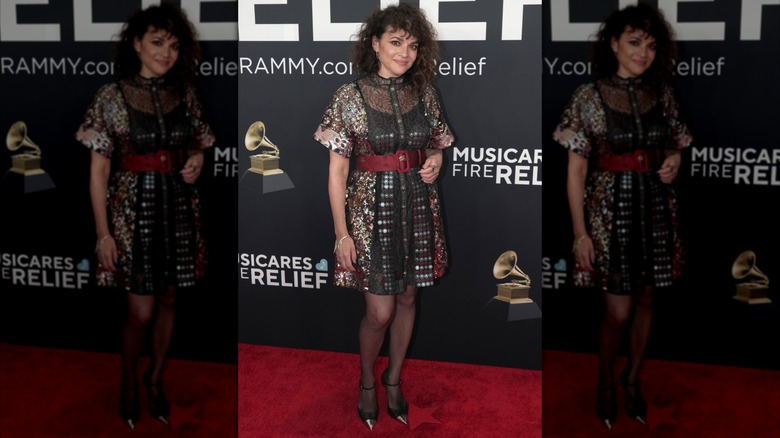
{"x": 203, "y": 137}
{"x": 580, "y": 120}
{"x": 441, "y": 135}
{"x": 342, "y": 120}
{"x": 102, "y": 119}
{"x": 681, "y": 137}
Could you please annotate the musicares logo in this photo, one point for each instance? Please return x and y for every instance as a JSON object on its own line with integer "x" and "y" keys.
{"x": 282, "y": 271}
{"x": 44, "y": 271}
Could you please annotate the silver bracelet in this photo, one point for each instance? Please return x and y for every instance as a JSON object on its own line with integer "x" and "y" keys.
{"x": 338, "y": 244}
{"x": 100, "y": 242}
{"x": 577, "y": 242}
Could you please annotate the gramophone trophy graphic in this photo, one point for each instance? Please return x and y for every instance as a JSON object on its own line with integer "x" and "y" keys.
{"x": 754, "y": 287}
{"x": 515, "y": 291}
{"x": 512, "y": 301}
{"x": 264, "y": 174}
{"x": 25, "y": 172}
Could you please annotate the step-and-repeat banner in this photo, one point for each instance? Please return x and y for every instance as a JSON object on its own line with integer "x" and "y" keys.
{"x": 292, "y": 58}
{"x": 722, "y": 309}
{"x": 54, "y": 55}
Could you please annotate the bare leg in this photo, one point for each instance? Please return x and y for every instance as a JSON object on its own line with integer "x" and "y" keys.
{"x": 400, "y": 335}
{"x": 380, "y": 310}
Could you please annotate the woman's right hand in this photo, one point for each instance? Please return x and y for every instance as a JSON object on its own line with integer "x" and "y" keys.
{"x": 107, "y": 254}
{"x": 346, "y": 255}
{"x": 584, "y": 253}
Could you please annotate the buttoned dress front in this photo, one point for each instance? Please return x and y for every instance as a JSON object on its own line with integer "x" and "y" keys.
{"x": 394, "y": 218}
{"x": 154, "y": 216}
{"x": 632, "y": 216}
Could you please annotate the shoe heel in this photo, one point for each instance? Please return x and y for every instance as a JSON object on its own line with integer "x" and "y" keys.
{"x": 129, "y": 405}
{"x": 368, "y": 418}
{"x": 606, "y": 406}
{"x": 636, "y": 406}
{"x": 159, "y": 408}
{"x": 401, "y": 413}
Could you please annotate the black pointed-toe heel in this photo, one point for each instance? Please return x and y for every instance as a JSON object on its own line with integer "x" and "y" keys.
{"x": 606, "y": 406}
{"x": 400, "y": 413}
{"x": 129, "y": 405}
{"x": 636, "y": 407}
{"x": 159, "y": 408}
{"x": 368, "y": 418}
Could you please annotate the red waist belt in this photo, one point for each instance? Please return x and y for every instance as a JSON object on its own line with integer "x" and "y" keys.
{"x": 162, "y": 161}
{"x": 400, "y": 161}
{"x": 638, "y": 161}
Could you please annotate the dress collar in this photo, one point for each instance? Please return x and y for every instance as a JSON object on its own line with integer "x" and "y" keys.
{"x": 625, "y": 82}
{"x": 379, "y": 80}
{"x": 148, "y": 82}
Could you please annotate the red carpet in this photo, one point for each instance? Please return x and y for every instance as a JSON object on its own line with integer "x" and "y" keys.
{"x": 65, "y": 393}
{"x": 684, "y": 400}
{"x": 292, "y": 393}
{"x": 302, "y": 393}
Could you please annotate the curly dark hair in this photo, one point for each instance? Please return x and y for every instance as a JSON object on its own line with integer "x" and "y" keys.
{"x": 408, "y": 18}
{"x": 644, "y": 17}
{"x": 167, "y": 17}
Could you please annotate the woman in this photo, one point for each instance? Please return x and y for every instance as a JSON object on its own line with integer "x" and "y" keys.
{"x": 147, "y": 138}
{"x": 389, "y": 232}
{"x": 624, "y": 134}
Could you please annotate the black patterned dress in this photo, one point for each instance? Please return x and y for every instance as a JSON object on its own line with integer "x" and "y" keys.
{"x": 632, "y": 216}
{"x": 394, "y": 218}
{"x": 154, "y": 216}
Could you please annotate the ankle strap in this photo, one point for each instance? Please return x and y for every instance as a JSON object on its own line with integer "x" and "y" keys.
{"x": 384, "y": 380}
{"x": 367, "y": 389}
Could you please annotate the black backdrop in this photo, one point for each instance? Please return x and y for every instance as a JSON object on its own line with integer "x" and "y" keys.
{"x": 48, "y": 76}
{"x": 697, "y": 319}
{"x": 728, "y": 88}
{"x": 492, "y": 104}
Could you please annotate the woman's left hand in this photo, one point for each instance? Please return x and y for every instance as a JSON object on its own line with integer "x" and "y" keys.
{"x": 192, "y": 168}
{"x": 670, "y": 168}
{"x": 430, "y": 169}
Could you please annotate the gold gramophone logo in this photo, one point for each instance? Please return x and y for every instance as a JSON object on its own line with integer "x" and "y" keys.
{"x": 267, "y": 162}
{"x": 264, "y": 174}
{"x": 753, "y": 287}
{"x": 516, "y": 290}
{"x": 25, "y": 172}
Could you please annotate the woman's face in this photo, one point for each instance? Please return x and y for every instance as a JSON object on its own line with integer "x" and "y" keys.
{"x": 396, "y": 50}
{"x": 158, "y": 51}
{"x": 635, "y": 52}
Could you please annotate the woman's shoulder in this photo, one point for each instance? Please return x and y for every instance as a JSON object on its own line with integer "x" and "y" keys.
{"x": 587, "y": 89}
{"x": 108, "y": 94}
{"x": 584, "y": 95}
{"x": 347, "y": 88}
{"x": 668, "y": 91}
{"x": 346, "y": 92}
{"x": 430, "y": 90}
{"x": 110, "y": 89}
